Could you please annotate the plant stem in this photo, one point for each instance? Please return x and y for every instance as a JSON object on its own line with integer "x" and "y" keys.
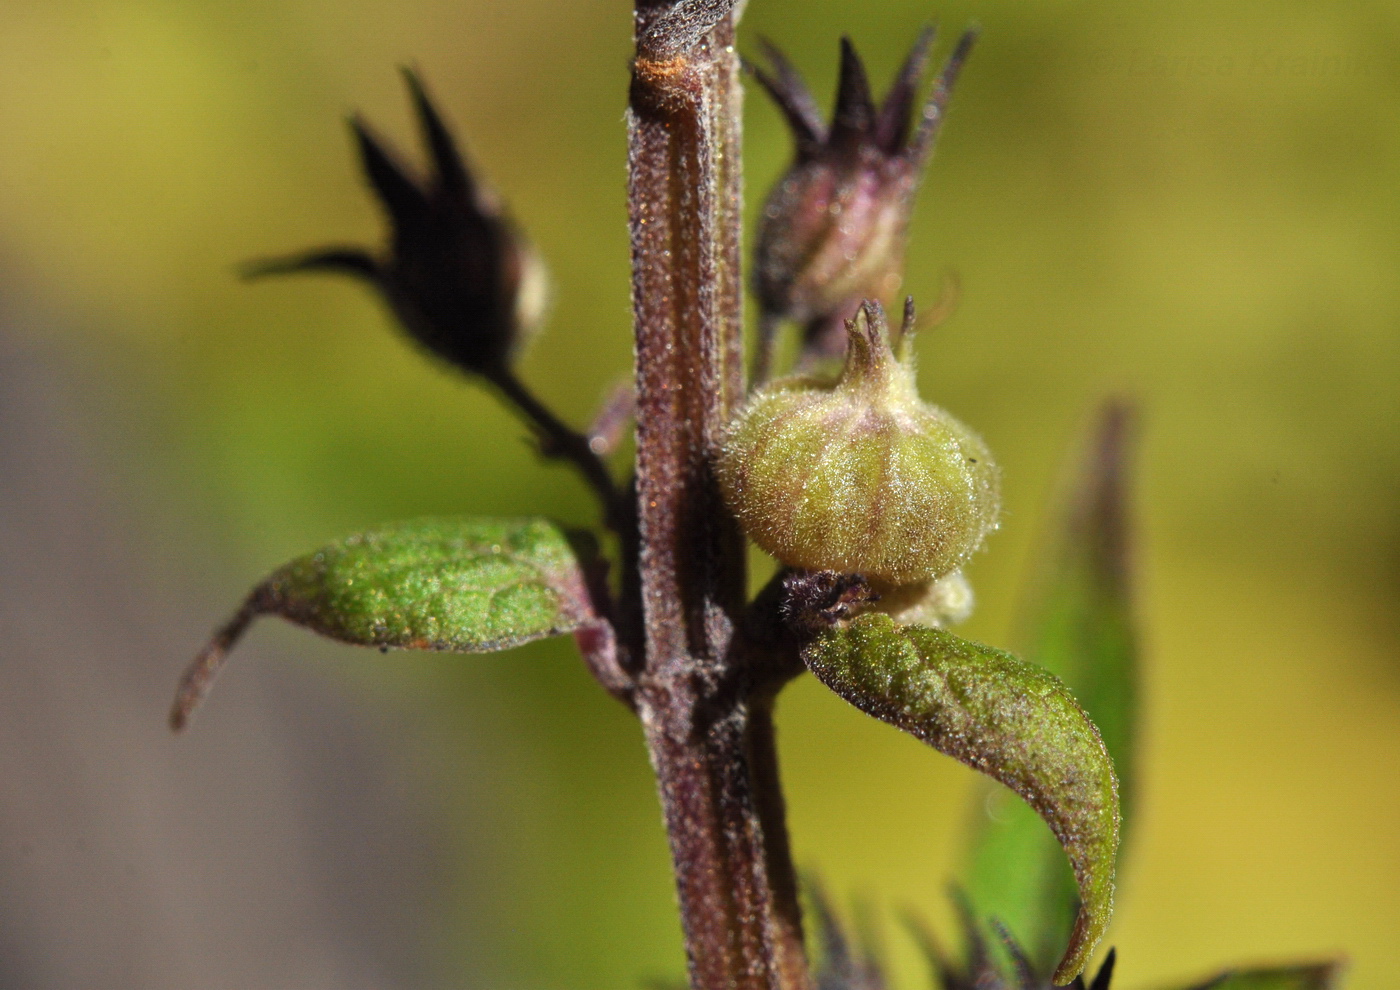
{"x": 772, "y": 811}
{"x": 695, "y": 688}
{"x": 559, "y": 441}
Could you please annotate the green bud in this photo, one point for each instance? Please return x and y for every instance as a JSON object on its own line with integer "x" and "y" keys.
{"x": 860, "y": 475}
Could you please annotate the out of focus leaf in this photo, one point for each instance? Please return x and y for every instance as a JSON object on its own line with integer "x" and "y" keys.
{"x": 1007, "y": 718}
{"x": 1079, "y": 626}
{"x": 1313, "y": 976}
{"x": 456, "y": 585}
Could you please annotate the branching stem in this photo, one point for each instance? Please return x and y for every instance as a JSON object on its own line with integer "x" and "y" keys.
{"x": 559, "y": 441}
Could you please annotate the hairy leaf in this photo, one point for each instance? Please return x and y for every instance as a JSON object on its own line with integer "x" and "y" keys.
{"x": 1007, "y": 718}
{"x": 456, "y": 585}
{"x": 1313, "y": 976}
{"x": 1079, "y": 626}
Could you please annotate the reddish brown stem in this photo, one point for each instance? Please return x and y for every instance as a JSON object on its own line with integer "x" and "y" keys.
{"x": 772, "y": 812}
{"x": 696, "y": 682}
{"x": 560, "y": 441}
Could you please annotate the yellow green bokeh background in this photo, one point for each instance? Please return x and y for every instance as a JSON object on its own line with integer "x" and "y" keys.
{"x": 1195, "y": 204}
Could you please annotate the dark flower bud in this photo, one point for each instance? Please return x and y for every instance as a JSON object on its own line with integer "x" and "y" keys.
{"x": 833, "y": 230}
{"x": 979, "y": 968}
{"x": 459, "y": 275}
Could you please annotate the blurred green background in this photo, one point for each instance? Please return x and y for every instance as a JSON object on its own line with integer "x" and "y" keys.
{"x": 1196, "y": 204}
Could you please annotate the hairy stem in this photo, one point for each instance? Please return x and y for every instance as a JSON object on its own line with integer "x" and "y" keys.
{"x": 696, "y": 682}
{"x": 559, "y": 441}
{"x": 772, "y": 812}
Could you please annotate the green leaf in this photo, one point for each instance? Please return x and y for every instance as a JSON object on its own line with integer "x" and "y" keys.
{"x": 1080, "y": 627}
{"x": 1313, "y": 976}
{"x": 1000, "y": 715}
{"x": 455, "y": 585}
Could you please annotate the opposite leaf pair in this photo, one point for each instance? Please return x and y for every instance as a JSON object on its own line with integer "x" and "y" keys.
{"x": 455, "y": 279}
{"x": 478, "y": 585}
{"x": 459, "y": 279}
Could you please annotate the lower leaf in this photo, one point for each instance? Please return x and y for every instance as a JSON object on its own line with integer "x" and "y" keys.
{"x": 1002, "y": 716}
{"x": 456, "y": 585}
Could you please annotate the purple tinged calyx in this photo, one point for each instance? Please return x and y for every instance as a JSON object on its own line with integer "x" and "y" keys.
{"x": 835, "y": 226}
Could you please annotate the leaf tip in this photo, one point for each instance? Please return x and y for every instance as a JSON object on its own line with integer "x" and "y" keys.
{"x": 199, "y": 676}
{"x": 1089, "y": 927}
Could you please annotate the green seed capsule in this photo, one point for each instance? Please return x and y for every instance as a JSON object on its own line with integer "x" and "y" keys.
{"x": 860, "y": 475}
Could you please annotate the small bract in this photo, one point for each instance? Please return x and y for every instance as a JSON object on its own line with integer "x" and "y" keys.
{"x": 860, "y": 475}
